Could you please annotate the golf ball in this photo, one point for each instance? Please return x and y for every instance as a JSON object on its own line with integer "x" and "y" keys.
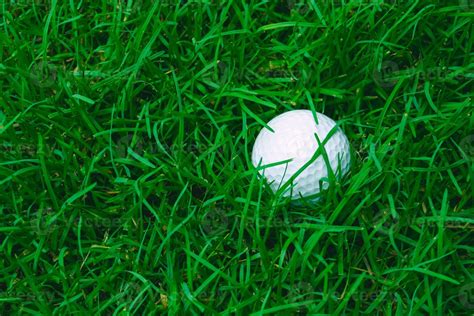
{"x": 293, "y": 142}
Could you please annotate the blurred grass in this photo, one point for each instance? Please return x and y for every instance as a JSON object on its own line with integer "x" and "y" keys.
{"x": 125, "y": 136}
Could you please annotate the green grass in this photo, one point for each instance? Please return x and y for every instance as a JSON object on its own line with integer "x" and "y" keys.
{"x": 125, "y": 137}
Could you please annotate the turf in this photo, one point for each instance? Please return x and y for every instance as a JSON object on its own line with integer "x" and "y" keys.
{"x": 125, "y": 136}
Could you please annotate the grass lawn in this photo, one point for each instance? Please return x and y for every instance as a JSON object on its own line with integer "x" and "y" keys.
{"x": 126, "y": 182}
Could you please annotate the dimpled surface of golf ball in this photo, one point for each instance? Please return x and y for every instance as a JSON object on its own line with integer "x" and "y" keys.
{"x": 293, "y": 138}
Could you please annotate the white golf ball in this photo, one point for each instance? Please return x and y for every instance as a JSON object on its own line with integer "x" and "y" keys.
{"x": 293, "y": 138}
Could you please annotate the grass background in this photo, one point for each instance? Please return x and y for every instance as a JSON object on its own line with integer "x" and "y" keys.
{"x": 125, "y": 136}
